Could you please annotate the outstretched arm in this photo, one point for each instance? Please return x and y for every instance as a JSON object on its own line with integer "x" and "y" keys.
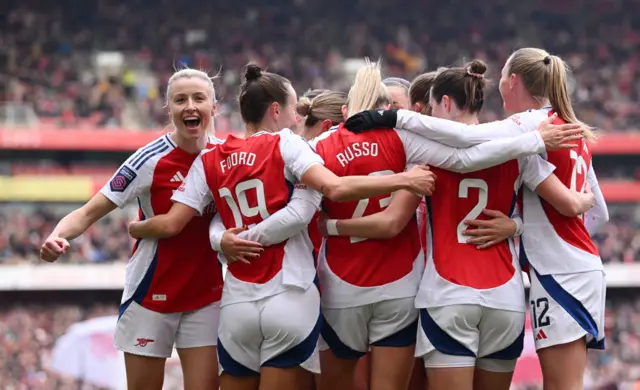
{"x": 420, "y": 150}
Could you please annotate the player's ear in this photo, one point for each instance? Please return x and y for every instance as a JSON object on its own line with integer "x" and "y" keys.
{"x": 326, "y": 125}
{"x": 446, "y": 101}
{"x": 345, "y": 112}
{"x": 417, "y": 107}
{"x": 213, "y": 109}
{"x": 513, "y": 80}
{"x": 275, "y": 108}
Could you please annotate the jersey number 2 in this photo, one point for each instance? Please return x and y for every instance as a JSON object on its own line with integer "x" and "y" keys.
{"x": 361, "y": 207}
{"x": 463, "y": 192}
{"x": 241, "y": 207}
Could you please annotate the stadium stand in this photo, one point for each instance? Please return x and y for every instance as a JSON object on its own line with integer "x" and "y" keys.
{"x": 82, "y": 86}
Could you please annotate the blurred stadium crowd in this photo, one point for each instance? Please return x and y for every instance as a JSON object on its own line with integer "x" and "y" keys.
{"x": 42, "y": 46}
{"x": 44, "y": 65}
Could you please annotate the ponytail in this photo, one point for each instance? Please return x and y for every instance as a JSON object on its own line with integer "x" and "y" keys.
{"x": 367, "y": 92}
{"x": 545, "y": 78}
{"x": 559, "y": 94}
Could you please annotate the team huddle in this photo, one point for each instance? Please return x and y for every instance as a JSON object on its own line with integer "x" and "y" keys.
{"x": 369, "y": 238}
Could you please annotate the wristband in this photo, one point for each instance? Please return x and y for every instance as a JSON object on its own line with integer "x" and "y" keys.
{"x": 332, "y": 227}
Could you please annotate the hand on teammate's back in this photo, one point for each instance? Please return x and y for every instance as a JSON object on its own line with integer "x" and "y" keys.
{"x": 236, "y": 249}
{"x": 53, "y": 248}
{"x": 372, "y": 119}
{"x": 422, "y": 181}
{"x": 557, "y": 137}
{"x": 488, "y": 232}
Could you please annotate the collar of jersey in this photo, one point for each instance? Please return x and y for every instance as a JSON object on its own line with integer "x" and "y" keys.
{"x": 259, "y": 133}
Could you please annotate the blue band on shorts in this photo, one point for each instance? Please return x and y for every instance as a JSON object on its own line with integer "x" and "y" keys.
{"x": 440, "y": 339}
{"x": 231, "y": 366}
{"x": 298, "y": 354}
{"x": 522, "y": 256}
{"x": 340, "y": 349}
{"x": 511, "y": 352}
{"x": 403, "y": 338}
{"x": 573, "y": 306}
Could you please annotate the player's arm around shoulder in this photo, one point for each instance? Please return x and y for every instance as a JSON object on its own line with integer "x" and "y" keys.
{"x": 537, "y": 175}
{"x": 189, "y": 199}
{"x": 381, "y": 225}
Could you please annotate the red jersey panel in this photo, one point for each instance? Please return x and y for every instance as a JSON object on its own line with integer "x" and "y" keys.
{"x": 241, "y": 201}
{"x": 367, "y": 262}
{"x": 572, "y": 166}
{"x": 187, "y": 268}
{"x": 459, "y": 197}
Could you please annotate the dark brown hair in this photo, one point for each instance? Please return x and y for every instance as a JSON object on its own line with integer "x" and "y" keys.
{"x": 420, "y": 88}
{"x": 465, "y": 85}
{"x": 258, "y": 91}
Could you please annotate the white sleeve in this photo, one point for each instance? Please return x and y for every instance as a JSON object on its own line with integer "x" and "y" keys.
{"x": 297, "y": 154}
{"x": 288, "y": 221}
{"x": 216, "y": 230}
{"x": 194, "y": 191}
{"x": 131, "y": 179}
{"x": 460, "y": 135}
{"x": 420, "y": 150}
{"x": 596, "y": 217}
{"x": 534, "y": 170}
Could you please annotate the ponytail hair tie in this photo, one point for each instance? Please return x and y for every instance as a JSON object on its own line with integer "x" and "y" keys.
{"x": 478, "y": 75}
{"x": 547, "y": 60}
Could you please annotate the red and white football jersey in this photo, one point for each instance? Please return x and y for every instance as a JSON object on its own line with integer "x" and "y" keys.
{"x": 174, "y": 274}
{"x": 389, "y": 269}
{"x": 553, "y": 243}
{"x": 457, "y": 272}
{"x": 356, "y": 271}
{"x": 249, "y": 180}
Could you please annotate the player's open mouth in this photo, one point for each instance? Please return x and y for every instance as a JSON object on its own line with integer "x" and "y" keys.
{"x": 191, "y": 122}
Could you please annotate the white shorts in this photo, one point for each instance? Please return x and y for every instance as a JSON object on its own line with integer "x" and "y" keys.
{"x": 277, "y": 331}
{"x": 349, "y": 332}
{"x": 470, "y": 335}
{"x": 568, "y": 307}
{"x": 141, "y": 331}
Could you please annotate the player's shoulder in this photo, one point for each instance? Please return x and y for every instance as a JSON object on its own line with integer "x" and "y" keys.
{"x": 530, "y": 116}
{"x": 149, "y": 155}
{"x": 215, "y": 140}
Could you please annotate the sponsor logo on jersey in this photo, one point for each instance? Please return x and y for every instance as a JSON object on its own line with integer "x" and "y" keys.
{"x": 142, "y": 342}
{"x": 178, "y": 177}
{"x": 159, "y": 297}
{"x": 122, "y": 179}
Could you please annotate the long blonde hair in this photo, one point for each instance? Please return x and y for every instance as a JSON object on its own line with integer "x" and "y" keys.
{"x": 545, "y": 76}
{"x": 367, "y": 92}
